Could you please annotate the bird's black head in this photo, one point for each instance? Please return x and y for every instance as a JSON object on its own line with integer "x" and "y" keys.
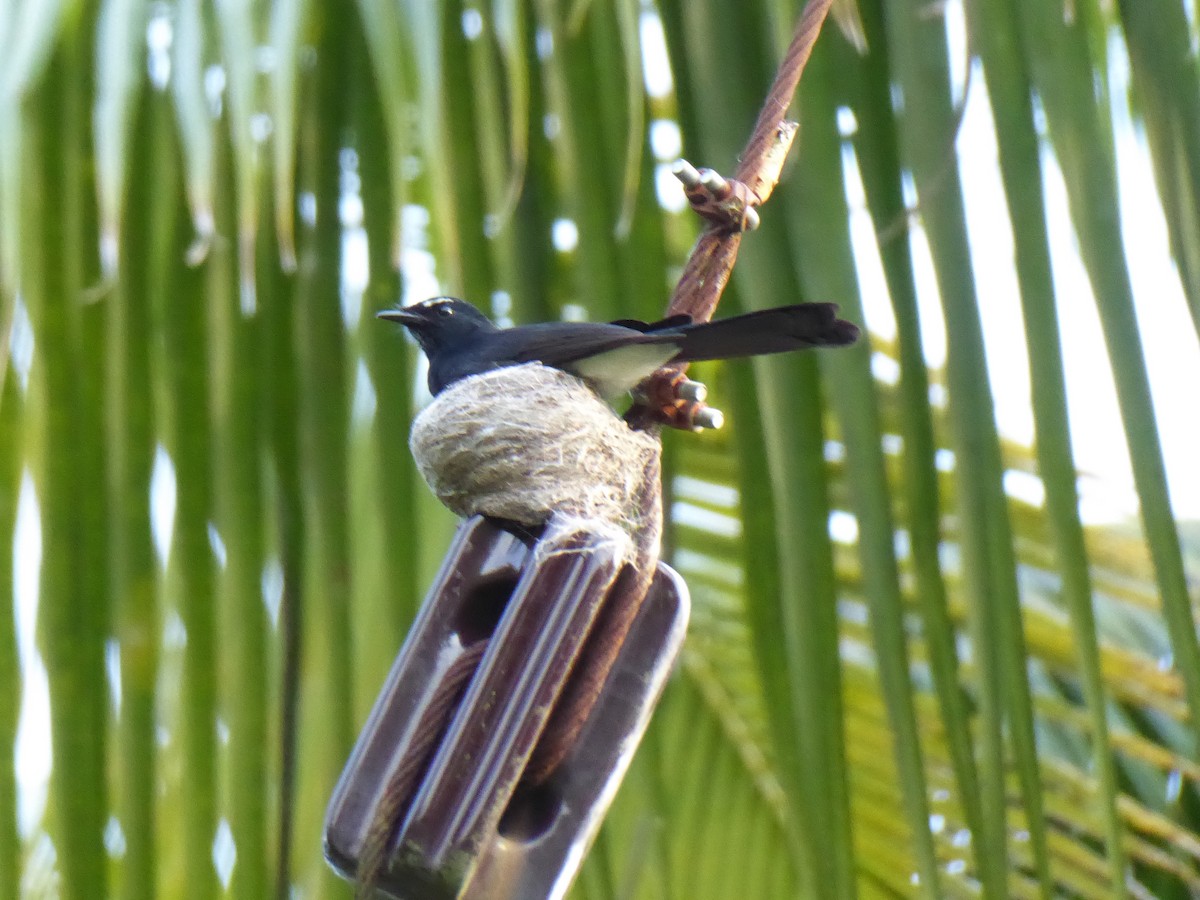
{"x": 441, "y": 322}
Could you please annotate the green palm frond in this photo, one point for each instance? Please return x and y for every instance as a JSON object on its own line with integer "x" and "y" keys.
{"x": 913, "y": 669}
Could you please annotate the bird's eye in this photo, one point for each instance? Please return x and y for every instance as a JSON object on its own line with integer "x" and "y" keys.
{"x": 445, "y": 310}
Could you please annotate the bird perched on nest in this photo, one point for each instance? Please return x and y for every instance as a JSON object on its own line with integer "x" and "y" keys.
{"x": 614, "y": 357}
{"x": 517, "y": 428}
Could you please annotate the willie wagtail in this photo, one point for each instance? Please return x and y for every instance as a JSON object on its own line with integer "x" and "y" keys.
{"x": 460, "y": 341}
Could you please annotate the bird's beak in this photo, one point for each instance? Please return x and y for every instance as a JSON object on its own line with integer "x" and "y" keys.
{"x": 403, "y": 316}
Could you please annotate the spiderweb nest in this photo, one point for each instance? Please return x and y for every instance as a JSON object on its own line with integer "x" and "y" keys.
{"x": 528, "y": 442}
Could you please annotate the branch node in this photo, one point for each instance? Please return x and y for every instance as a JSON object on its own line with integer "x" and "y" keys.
{"x": 725, "y": 203}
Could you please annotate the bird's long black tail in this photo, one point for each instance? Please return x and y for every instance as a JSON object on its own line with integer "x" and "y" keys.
{"x": 766, "y": 331}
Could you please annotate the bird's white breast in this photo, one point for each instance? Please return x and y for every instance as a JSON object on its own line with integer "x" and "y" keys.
{"x": 617, "y": 371}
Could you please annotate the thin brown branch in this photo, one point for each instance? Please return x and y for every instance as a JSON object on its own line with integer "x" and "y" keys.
{"x": 711, "y": 262}
{"x": 727, "y": 207}
{"x": 757, "y": 157}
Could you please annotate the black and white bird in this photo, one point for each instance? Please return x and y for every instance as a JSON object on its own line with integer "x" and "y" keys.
{"x": 614, "y": 357}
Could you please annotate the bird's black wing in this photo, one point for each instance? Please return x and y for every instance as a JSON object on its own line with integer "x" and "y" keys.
{"x": 767, "y": 331}
{"x": 676, "y": 321}
{"x": 559, "y": 344}
{"x": 612, "y": 358}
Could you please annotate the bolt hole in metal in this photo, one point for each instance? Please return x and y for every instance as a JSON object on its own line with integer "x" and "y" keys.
{"x": 480, "y": 615}
{"x": 531, "y": 812}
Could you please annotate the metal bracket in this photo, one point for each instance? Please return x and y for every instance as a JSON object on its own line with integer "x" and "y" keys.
{"x": 432, "y": 803}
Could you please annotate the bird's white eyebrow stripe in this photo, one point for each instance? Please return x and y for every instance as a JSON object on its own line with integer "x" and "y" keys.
{"x": 433, "y": 303}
